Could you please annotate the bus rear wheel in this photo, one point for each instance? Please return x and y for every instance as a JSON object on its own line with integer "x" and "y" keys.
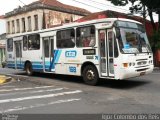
{"x": 29, "y": 69}
{"x": 90, "y": 75}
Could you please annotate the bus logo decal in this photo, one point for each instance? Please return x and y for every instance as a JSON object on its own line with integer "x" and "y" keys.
{"x": 71, "y": 54}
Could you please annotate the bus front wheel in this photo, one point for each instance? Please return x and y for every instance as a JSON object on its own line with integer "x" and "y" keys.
{"x": 90, "y": 75}
{"x": 28, "y": 69}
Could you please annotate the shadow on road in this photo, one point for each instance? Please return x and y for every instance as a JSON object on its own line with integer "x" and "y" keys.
{"x": 116, "y": 84}
{"x": 123, "y": 84}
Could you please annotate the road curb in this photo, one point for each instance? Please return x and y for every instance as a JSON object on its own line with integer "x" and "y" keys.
{"x": 4, "y": 79}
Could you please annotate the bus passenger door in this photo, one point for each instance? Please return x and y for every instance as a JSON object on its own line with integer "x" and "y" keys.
{"x": 110, "y": 46}
{"x": 48, "y": 54}
{"x": 18, "y": 54}
{"x": 106, "y": 53}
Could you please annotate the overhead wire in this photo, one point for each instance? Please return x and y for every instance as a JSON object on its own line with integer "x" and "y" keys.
{"x": 103, "y": 4}
{"x": 87, "y": 4}
{"x": 22, "y": 2}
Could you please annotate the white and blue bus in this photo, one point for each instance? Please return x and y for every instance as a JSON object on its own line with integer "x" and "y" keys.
{"x": 109, "y": 48}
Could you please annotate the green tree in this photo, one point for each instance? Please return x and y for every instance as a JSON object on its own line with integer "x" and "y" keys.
{"x": 142, "y": 7}
{"x": 145, "y": 7}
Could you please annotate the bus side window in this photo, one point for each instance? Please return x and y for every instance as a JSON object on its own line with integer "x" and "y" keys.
{"x": 66, "y": 38}
{"x": 10, "y": 45}
{"x": 116, "y": 54}
{"x": 34, "y": 42}
{"x": 25, "y": 43}
{"x": 85, "y": 36}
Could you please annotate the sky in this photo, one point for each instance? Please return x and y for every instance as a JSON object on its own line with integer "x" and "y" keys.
{"x": 92, "y": 6}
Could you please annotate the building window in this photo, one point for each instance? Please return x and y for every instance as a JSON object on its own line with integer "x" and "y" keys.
{"x": 13, "y": 27}
{"x": 66, "y": 38}
{"x": 25, "y": 43}
{"x": 34, "y": 42}
{"x": 85, "y": 36}
{"x": 36, "y": 22}
{"x": 10, "y": 45}
{"x": 18, "y": 25}
{"x": 8, "y": 24}
{"x": 67, "y": 21}
{"x": 23, "y": 25}
{"x": 29, "y": 24}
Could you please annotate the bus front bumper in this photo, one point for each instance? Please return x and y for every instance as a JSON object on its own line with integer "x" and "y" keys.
{"x": 135, "y": 72}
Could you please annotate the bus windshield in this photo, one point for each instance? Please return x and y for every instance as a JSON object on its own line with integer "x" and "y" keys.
{"x": 132, "y": 38}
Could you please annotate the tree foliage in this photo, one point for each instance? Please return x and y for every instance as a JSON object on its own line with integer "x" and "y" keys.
{"x": 144, "y": 7}
{"x": 138, "y": 6}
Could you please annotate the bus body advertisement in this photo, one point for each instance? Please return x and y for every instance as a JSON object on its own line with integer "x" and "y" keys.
{"x": 109, "y": 48}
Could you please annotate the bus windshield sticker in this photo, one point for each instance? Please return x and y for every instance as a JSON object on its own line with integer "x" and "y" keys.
{"x": 126, "y": 46}
{"x": 131, "y": 50}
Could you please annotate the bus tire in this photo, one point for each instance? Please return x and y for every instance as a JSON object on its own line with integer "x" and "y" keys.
{"x": 90, "y": 75}
{"x": 28, "y": 68}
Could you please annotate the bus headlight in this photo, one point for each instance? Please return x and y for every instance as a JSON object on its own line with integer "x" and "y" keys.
{"x": 128, "y": 64}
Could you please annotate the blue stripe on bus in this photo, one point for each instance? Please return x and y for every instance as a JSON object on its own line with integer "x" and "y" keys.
{"x": 55, "y": 55}
{"x": 38, "y": 65}
{"x": 11, "y": 65}
{"x": 35, "y": 66}
{"x": 58, "y": 56}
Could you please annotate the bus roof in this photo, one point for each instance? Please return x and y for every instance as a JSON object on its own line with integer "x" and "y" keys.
{"x": 75, "y": 24}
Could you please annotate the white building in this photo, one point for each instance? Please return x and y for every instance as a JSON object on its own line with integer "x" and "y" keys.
{"x": 40, "y": 15}
{"x": 2, "y": 48}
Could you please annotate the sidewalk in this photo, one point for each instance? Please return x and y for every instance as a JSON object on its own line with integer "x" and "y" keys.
{"x": 4, "y": 78}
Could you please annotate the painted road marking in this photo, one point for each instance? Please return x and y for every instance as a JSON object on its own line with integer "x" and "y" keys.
{"x": 39, "y": 96}
{"x": 7, "y": 86}
{"x": 32, "y": 92}
{"x": 19, "y": 108}
{"x": 21, "y": 89}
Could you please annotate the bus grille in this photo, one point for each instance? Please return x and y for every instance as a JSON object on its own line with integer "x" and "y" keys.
{"x": 144, "y": 69}
{"x": 142, "y": 63}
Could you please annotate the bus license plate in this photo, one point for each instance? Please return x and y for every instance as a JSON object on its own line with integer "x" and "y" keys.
{"x": 142, "y": 73}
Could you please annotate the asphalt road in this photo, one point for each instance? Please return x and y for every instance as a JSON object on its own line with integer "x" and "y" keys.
{"x": 56, "y": 94}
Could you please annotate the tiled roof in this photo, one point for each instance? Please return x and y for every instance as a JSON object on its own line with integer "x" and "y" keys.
{"x": 1, "y": 16}
{"x": 114, "y": 14}
{"x": 58, "y": 4}
{"x": 110, "y": 14}
{"x": 48, "y": 4}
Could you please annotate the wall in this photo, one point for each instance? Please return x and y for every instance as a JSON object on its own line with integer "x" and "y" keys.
{"x": 2, "y": 26}
{"x": 25, "y": 15}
